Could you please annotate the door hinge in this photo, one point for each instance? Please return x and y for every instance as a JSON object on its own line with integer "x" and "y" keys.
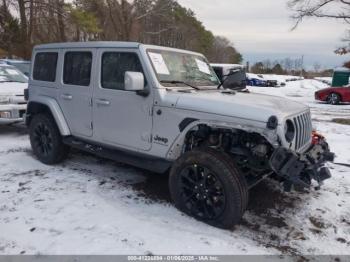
{"x": 151, "y": 111}
{"x": 90, "y": 102}
{"x": 91, "y": 125}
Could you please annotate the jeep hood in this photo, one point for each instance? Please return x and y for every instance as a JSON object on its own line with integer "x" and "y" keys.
{"x": 250, "y": 106}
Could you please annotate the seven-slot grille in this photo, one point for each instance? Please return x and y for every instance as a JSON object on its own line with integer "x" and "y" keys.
{"x": 303, "y": 130}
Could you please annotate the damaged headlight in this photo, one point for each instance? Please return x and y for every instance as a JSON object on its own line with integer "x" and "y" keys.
{"x": 4, "y": 100}
{"x": 289, "y": 130}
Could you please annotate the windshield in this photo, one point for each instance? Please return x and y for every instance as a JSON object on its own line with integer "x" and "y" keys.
{"x": 11, "y": 74}
{"x": 23, "y": 67}
{"x": 174, "y": 68}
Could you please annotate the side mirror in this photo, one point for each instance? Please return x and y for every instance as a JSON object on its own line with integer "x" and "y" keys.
{"x": 236, "y": 80}
{"x": 134, "y": 81}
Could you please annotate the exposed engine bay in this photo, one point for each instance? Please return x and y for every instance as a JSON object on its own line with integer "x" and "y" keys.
{"x": 257, "y": 159}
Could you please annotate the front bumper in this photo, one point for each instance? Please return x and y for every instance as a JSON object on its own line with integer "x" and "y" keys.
{"x": 10, "y": 114}
{"x": 300, "y": 169}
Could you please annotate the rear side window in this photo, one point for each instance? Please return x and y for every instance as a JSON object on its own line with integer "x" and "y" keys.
{"x": 77, "y": 68}
{"x": 114, "y": 66}
{"x": 45, "y": 66}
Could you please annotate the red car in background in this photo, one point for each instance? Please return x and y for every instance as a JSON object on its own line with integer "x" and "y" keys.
{"x": 334, "y": 95}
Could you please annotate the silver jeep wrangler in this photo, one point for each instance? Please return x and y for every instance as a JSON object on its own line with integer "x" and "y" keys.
{"x": 165, "y": 110}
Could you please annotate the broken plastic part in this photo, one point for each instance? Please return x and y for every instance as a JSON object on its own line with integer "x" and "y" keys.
{"x": 301, "y": 169}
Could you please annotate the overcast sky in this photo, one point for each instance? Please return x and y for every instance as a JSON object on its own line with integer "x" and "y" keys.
{"x": 260, "y": 29}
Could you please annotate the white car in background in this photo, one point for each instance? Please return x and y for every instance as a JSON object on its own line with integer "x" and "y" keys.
{"x": 22, "y": 65}
{"x": 12, "y": 103}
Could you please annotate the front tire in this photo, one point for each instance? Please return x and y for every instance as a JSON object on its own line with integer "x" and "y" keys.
{"x": 46, "y": 140}
{"x": 206, "y": 185}
{"x": 334, "y": 99}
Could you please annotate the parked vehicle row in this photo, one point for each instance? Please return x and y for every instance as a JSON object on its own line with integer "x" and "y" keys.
{"x": 294, "y": 78}
{"x": 12, "y": 102}
{"x": 255, "y": 80}
{"x": 273, "y": 80}
{"x": 165, "y": 110}
{"x": 250, "y": 79}
{"x": 21, "y": 65}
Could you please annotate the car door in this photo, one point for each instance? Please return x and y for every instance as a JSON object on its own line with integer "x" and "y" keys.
{"x": 76, "y": 90}
{"x": 346, "y": 94}
{"x": 121, "y": 118}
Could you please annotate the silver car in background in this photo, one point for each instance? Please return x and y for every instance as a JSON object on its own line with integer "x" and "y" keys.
{"x": 12, "y": 103}
{"x": 22, "y": 65}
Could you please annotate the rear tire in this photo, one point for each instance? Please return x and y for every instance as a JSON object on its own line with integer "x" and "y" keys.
{"x": 46, "y": 140}
{"x": 333, "y": 99}
{"x": 205, "y": 184}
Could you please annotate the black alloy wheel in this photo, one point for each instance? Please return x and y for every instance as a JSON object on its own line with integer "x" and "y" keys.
{"x": 46, "y": 140}
{"x": 43, "y": 139}
{"x": 202, "y": 192}
{"x": 205, "y": 183}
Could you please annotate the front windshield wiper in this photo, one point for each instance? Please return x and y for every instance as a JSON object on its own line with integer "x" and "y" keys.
{"x": 179, "y": 82}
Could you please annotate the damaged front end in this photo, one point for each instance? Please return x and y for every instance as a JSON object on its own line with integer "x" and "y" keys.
{"x": 300, "y": 169}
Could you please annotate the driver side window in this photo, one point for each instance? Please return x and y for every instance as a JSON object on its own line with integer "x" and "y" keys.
{"x": 114, "y": 66}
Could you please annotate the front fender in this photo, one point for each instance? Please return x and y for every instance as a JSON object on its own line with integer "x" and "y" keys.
{"x": 55, "y": 110}
{"x": 176, "y": 148}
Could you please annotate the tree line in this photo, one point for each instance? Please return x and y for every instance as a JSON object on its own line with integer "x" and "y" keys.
{"x": 25, "y": 23}
{"x": 279, "y": 67}
{"x": 288, "y": 66}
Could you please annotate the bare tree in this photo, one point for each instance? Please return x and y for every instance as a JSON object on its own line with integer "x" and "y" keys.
{"x": 335, "y": 9}
{"x": 322, "y": 9}
{"x": 25, "y": 23}
{"x": 317, "y": 67}
{"x": 267, "y": 65}
{"x": 288, "y": 64}
{"x": 223, "y": 51}
{"x": 344, "y": 49}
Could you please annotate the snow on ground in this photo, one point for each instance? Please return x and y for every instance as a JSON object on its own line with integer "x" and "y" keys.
{"x": 327, "y": 80}
{"x": 89, "y": 205}
{"x": 281, "y": 78}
